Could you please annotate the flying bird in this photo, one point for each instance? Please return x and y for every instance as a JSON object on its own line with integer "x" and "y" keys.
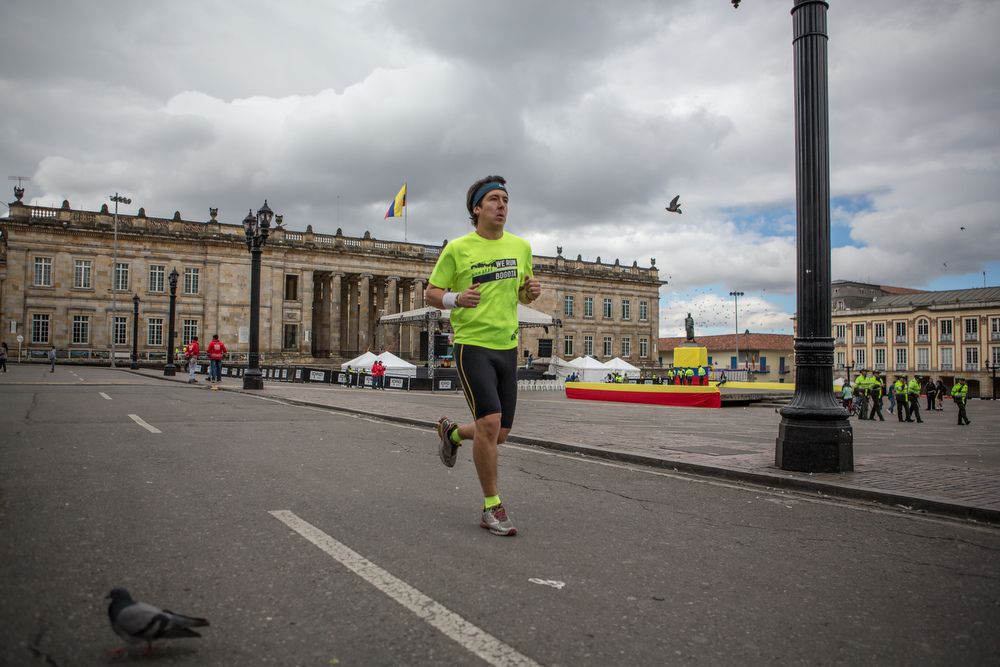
{"x": 962, "y": 228}
{"x": 140, "y": 622}
{"x": 675, "y": 205}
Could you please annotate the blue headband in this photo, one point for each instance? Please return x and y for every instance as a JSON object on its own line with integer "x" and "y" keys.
{"x": 483, "y": 189}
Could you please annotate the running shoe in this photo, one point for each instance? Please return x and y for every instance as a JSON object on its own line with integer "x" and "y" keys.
{"x": 448, "y": 449}
{"x": 495, "y": 520}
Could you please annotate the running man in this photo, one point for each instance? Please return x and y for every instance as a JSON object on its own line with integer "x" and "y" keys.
{"x": 481, "y": 277}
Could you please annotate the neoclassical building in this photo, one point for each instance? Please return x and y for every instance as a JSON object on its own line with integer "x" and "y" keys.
{"x": 69, "y": 278}
{"x": 946, "y": 334}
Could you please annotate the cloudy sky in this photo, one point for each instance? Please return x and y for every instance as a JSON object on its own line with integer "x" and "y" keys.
{"x": 598, "y": 113}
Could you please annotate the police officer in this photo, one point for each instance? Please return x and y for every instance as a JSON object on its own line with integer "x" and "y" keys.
{"x": 875, "y": 392}
{"x": 861, "y": 386}
{"x": 959, "y": 394}
{"x": 899, "y": 388}
{"x": 913, "y": 400}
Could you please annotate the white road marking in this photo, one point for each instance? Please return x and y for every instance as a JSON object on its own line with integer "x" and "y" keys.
{"x": 138, "y": 420}
{"x": 470, "y": 637}
{"x": 104, "y": 396}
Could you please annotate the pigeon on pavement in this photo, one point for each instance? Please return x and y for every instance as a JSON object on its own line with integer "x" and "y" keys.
{"x": 675, "y": 206}
{"x": 140, "y": 622}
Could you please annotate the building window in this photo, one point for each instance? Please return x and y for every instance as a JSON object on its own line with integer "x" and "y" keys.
{"x": 568, "y": 305}
{"x": 156, "y": 276}
{"x": 995, "y": 354}
{"x": 608, "y": 348}
{"x": 626, "y": 346}
{"x": 291, "y": 287}
{"x": 154, "y": 331}
{"x": 643, "y": 311}
{"x": 945, "y": 328}
{"x": 859, "y": 333}
{"x": 841, "y": 359}
{"x": 923, "y": 359}
{"x": 191, "y": 275}
{"x": 859, "y": 358}
{"x": 567, "y": 346}
{"x": 947, "y": 355}
{"x": 120, "y": 330}
{"x": 840, "y": 333}
{"x": 880, "y": 358}
{"x": 43, "y": 272}
{"x": 120, "y": 282}
{"x": 81, "y": 330}
{"x": 995, "y": 328}
{"x": 901, "y": 358}
{"x": 291, "y": 338}
{"x": 82, "y": 270}
{"x": 588, "y": 306}
{"x": 608, "y": 309}
{"x": 900, "y": 332}
{"x": 971, "y": 328}
{"x": 588, "y": 346}
{"x": 626, "y": 309}
{"x": 39, "y": 329}
{"x": 972, "y": 358}
{"x": 923, "y": 331}
{"x": 189, "y": 331}
{"x": 878, "y": 331}
{"x": 643, "y": 347}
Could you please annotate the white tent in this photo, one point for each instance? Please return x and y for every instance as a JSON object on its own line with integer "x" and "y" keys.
{"x": 396, "y": 366}
{"x": 623, "y": 367}
{"x": 589, "y": 369}
{"x": 527, "y": 317}
{"x": 364, "y": 361}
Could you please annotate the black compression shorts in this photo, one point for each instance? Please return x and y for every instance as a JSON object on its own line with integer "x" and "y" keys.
{"x": 489, "y": 381}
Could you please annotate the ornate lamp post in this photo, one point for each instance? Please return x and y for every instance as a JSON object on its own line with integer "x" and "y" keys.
{"x": 736, "y": 314}
{"x": 135, "y": 332}
{"x": 170, "y": 369}
{"x": 116, "y": 198}
{"x": 256, "y": 230}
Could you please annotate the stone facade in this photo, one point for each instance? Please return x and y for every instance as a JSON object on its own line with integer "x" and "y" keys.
{"x": 321, "y": 295}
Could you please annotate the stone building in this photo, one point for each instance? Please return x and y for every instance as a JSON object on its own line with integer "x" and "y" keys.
{"x": 940, "y": 334}
{"x": 748, "y": 356}
{"x": 321, "y": 295}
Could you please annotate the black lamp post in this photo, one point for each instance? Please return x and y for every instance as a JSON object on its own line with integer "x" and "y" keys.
{"x": 814, "y": 434}
{"x": 170, "y": 369}
{"x": 849, "y": 367}
{"x": 256, "y": 230}
{"x": 135, "y": 332}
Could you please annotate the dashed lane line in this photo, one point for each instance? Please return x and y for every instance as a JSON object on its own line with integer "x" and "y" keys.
{"x": 472, "y": 638}
{"x": 104, "y": 396}
{"x": 139, "y": 420}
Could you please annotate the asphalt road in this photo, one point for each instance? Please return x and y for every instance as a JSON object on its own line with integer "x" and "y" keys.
{"x": 614, "y": 564}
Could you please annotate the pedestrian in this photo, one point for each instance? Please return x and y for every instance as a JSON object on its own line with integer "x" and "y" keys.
{"x": 900, "y": 390}
{"x": 191, "y": 351}
{"x": 481, "y": 277}
{"x": 913, "y": 400}
{"x": 381, "y": 374}
{"x": 216, "y": 351}
{"x": 861, "y": 384}
{"x": 3, "y": 356}
{"x": 931, "y": 390}
{"x": 875, "y": 394}
{"x": 722, "y": 378}
{"x": 52, "y": 359}
{"x": 960, "y": 394}
{"x": 892, "y": 396}
{"x": 847, "y": 398}
{"x": 941, "y": 392}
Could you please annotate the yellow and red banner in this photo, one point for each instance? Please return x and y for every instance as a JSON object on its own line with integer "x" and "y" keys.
{"x": 655, "y": 394}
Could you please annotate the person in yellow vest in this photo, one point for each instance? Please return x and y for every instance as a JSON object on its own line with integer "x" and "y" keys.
{"x": 670, "y": 376}
{"x": 702, "y": 375}
{"x": 689, "y": 375}
{"x": 875, "y": 393}
{"x": 913, "y": 400}
{"x": 960, "y": 394}
{"x": 899, "y": 388}
{"x": 861, "y": 392}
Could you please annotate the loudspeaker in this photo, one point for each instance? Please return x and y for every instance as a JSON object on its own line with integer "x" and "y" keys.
{"x": 441, "y": 345}
{"x": 423, "y": 346}
{"x": 544, "y": 347}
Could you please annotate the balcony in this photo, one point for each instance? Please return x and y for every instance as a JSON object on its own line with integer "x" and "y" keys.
{"x": 946, "y": 338}
{"x": 900, "y": 339}
{"x": 880, "y": 367}
{"x": 900, "y": 367}
{"x": 971, "y": 337}
{"x": 879, "y": 340}
{"x": 923, "y": 367}
{"x": 947, "y": 367}
{"x": 839, "y": 340}
{"x": 859, "y": 340}
{"x": 972, "y": 367}
{"x": 923, "y": 338}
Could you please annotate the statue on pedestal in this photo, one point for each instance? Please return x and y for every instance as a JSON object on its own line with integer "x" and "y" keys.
{"x": 689, "y": 327}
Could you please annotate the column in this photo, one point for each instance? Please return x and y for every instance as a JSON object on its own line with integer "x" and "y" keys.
{"x": 335, "y": 316}
{"x": 364, "y": 311}
{"x": 391, "y": 333}
{"x": 418, "y": 302}
{"x": 377, "y": 332}
{"x": 350, "y": 311}
{"x": 406, "y": 331}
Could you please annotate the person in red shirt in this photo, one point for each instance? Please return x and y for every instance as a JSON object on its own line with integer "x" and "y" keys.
{"x": 191, "y": 351}
{"x": 216, "y": 351}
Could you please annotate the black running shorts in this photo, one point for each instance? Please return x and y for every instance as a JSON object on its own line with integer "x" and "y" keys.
{"x": 489, "y": 381}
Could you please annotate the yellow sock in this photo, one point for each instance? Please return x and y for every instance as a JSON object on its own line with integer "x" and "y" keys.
{"x": 491, "y": 501}
{"x": 454, "y": 436}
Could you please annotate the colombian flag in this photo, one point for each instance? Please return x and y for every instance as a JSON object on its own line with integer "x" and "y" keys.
{"x": 396, "y": 207}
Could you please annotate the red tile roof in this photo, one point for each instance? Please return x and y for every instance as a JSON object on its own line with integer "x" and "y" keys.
{"x": 754, "y": 341}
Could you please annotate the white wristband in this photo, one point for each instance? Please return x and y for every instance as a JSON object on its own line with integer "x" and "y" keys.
{"x": 450, "y": 300}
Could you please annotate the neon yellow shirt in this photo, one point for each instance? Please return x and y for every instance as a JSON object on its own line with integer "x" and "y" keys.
{"x": 499, "y": 267}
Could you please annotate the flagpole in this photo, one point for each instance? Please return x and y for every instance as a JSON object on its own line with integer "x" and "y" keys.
{"x": 406, "y": 207}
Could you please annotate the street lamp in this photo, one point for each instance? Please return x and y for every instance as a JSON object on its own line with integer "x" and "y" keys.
{"x": 116, "y": 198}
{"x": 135, "y": 332}
{"x": 736, "y": 308}
{"x": 256, "y": 230}
{"x": 170, "y": 369}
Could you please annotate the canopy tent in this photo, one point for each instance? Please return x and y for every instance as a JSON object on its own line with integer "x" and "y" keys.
{"x": 526, "y": 317}
{"x": 364, "y": 361}
{"x": 396, "y": 366}
{"x": 623, "y": 367}
{"x": 589, "y": 369}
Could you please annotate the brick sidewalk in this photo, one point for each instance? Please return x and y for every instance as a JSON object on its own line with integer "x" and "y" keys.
{"x": 936, "y": 466}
